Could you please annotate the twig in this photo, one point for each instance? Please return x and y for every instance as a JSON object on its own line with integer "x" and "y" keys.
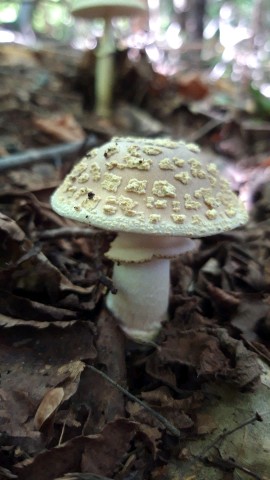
{"x": 69, "y": 232}
{"x": 217, "y": 441}
{"x": 231, "y": 465}
{"x": 62, "y": 433}
{"x": 208, "y": 127}
{"x": 107, "y": 282}
{"x": 82, "y": 476}
{"x": 171, "y": 428}
{"x": 48, "y": 153}
{"x": 256, "y": 418}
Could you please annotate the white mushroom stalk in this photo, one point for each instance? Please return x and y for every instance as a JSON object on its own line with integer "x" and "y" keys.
{"x": 141, "y": 276}
{"x": 104, "y": 76}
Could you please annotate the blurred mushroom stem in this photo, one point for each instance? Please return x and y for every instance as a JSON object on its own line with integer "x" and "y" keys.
{"x": 104, "y": 78}
{"x": 141, "y": 275}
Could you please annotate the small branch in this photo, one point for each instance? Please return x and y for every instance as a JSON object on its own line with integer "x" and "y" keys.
{"x": 217, "y": 441}
{"x": 70, "y": 232}
{"x": 107, "y": 282}
{"x": 49, "y": 153}
{"x": 222, "y": 436}
{"x": 82, "y": 476}
{"x": 171, "y": 428}
{"x": 230, "y": 465}
{"x": 208, "y": 127}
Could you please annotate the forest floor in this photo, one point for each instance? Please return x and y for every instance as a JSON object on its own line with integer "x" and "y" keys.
{"x": 59, "y": 416}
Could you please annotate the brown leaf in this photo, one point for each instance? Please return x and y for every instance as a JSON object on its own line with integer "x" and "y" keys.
{"x": 62, "y": 127}
{"x": 31, "y": 363}
{"x": 105, "y": 401}
{"x": 246, "y": 370}
{"x": 171, "y": 412}
{"x": 198, "y": 350}
{"x": 105, "y": 452}
{"x": 48, "y": 406}
{"x": 205, "y": 423}
{"x": 248, "y": 315}
{"x": 97, "y": 454}
{"x": 5, "y": 474}
{"x": 8, "y": 322}
{"x": 223, "y": 300}
{"x": 13, "y": 242}
{"x": 152, "y": 436}
{"x": 20, "y": 307}
{"x": 192, "y": 86}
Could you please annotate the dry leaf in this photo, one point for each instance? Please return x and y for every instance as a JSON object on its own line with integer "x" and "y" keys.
{"x": 48, "y": 406}
{"x": 62, "y": 127}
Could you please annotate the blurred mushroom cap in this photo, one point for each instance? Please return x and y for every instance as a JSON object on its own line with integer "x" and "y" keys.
{"x": 108, "y": 8}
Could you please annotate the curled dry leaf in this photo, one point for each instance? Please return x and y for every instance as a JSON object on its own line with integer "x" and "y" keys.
{"x": 5, "y": 474}
{"x": 13, "y": 242}
{"x": 33, "y": 362}
{"x": 48, "y": 406}
{"x": 70, "y": 374}
{"x": 192, "y": 86}
{"x": 44, "y": 289}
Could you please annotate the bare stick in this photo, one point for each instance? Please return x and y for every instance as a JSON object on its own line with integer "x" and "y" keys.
{"x": 81, "y": 476}
{"x": 222, "y": 436}
{"x": 69, "y": 232}
{"x": 230, "y": 464}
{"x": 171, "y": 428}
{"x": 48, "y": 153}
{"x": 208, "y": 127}
{"x": 218, "y": 440}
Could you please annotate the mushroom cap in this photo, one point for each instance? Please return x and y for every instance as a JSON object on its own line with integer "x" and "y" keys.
{"x": 108, "y": 8}
{"x": 149, "y": 186}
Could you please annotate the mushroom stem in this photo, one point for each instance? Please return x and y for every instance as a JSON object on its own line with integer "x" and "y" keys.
{"x": 141, "y": 275}
{"x": 104, "y": 77}
{"x": 142, "y": 297}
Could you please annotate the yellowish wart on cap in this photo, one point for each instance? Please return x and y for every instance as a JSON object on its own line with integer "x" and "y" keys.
{"x": 166, "y": 164}
{"x": 162, "y": 188}
{"x": 95, "y": 171}
{"x": 154, "y": 218}
{"x": 183, "y": 177}
{"x": 191, "y": 204}
{"x": 111, "y": 182}
{"x": 179, "y": 162}
{"x": 152, "y": 150}
{"x": 112, "y": 150}
{"x": 211, "y": 214}
{"x": 136, "y": 186}
{"x": 177, "y": 218}
{"x": 161, "y": 203}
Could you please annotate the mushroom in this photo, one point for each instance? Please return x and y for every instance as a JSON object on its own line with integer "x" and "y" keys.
{"x": 107, "y": 9}
{"x": 158, "y": 195}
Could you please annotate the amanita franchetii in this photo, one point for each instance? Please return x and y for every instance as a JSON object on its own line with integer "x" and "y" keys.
{"x": 104, "y": 74}
{"x": 158, "y": 195}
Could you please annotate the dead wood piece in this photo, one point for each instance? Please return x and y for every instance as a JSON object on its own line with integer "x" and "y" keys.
{"x": 48, "y": 153}
{"x": 69, "y": 232}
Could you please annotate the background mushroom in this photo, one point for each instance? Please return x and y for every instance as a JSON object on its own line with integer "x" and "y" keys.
{"x": 158, "y": 195}
{"x": 106, "y": 9}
